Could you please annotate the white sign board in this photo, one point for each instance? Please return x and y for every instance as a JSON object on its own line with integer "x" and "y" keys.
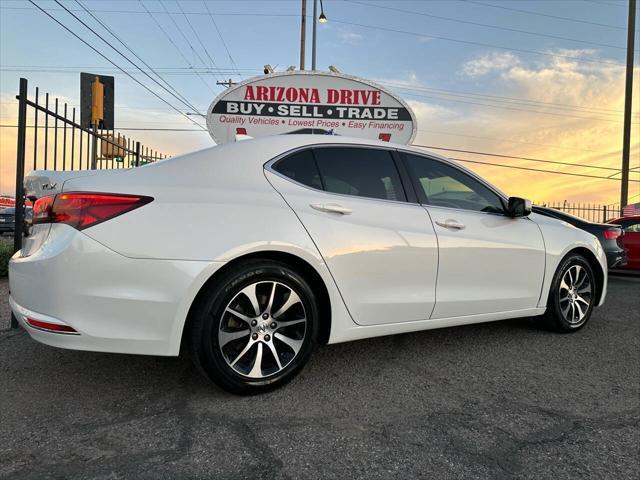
{"x": 310, "y": 102}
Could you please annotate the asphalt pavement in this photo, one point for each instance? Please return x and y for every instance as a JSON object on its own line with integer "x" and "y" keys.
{"x": 499, "y": 400}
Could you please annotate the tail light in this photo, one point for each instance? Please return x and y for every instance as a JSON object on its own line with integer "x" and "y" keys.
{"x": 84, "y": 209}
{"x": 612, "y": 233}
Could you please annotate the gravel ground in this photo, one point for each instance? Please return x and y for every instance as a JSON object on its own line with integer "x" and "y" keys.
{"x": 499, "y": 400}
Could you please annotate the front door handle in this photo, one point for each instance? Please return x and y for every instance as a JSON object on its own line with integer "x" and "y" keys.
{"x": 331, "y": 208}
{"x": 451, "y": 224}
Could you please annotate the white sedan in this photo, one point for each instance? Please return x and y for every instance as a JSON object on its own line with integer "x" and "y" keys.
{"x": 248, "y": 255}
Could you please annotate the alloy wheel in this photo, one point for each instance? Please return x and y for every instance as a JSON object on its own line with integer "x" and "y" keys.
{"x": 262, "y": 329}
{"x": 575, "y": 294}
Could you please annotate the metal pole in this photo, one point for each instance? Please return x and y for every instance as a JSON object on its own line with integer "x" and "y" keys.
{"x": 137, "y": 154}
{"x": 303, "y": 32}
{"x": 628, "y": 93}
{"x": 313, "y": 41}
{"x": 20, "y": 157}
{"x": 94, "y": 158}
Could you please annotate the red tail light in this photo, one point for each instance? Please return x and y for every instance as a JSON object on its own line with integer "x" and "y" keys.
{"x": 612, "y": 233}
{"x": 85, "y": 209}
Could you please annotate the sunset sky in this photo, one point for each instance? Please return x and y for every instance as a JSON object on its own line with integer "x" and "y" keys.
{"x": 539, "y": 79}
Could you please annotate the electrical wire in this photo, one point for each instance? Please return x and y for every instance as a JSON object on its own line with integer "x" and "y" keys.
{"x": 117, "y": 37}
{"x": 206, "y": 51}
{"x": 481, "y": 44}
{"x": 486, "y": 25}
{"x": 529, "y": 12}
{"x": 213, "y": 20}
{"x": 115, "y": 64}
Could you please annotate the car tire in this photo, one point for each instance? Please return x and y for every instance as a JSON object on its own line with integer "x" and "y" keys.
{"x": 255, "y": 327}
{"x": 572, "y": 295}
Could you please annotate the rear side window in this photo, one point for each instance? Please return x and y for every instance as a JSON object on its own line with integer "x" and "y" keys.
{"x": 363, "y": 172}
{"x": 300, "y": 167}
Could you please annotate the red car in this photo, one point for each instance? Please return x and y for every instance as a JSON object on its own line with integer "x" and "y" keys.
{"x": 630, "y": 239}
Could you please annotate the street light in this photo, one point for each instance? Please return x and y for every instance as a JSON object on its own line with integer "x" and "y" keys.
{"x": 322, "y": 18}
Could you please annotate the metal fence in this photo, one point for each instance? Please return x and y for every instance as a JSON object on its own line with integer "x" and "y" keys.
{"x": 51, "y": 138}
{"x": 591, "y": 212}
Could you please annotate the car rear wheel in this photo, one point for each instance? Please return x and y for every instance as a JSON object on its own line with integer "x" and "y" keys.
{"x": 255, "y": 328}
{"x": 572, "y": 296}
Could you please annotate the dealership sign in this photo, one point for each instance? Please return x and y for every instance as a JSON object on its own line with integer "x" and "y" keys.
{"x": 310, "y": 102}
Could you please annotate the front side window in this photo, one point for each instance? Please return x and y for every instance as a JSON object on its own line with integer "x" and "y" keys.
{"x": 445, "y": 186}
{"x": 363, "y": 172}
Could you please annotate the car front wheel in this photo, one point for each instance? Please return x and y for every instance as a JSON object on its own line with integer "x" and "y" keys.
{"x": 255, "y": 328}
{"x": 572, "y": 296}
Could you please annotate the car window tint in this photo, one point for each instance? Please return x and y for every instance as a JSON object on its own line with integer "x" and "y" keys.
{"x": 365, "y": 172}
{"x": 446, "y": 186}
{"x": 300, "y": 167}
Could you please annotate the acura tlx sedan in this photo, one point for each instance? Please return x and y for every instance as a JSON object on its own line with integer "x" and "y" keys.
{"x": 251, "y": 254}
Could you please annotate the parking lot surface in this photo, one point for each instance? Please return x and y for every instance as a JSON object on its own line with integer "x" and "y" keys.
{"x": 499, "y": 400}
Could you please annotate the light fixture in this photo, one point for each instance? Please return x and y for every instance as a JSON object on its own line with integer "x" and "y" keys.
{"x": 333, "y": 69}
{"x": 268, "y": 69}
{"x": 291, "y": 68}
{"x": 322, "y": 18}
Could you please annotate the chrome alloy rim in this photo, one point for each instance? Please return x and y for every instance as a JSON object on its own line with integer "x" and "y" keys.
{"x": 262, "y": 329}
{"x": 575, "y": 294}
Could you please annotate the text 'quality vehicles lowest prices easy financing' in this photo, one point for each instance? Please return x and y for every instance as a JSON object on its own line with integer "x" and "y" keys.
{"x": 285, "y": 243}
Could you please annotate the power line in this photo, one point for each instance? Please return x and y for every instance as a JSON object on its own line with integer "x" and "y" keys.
{"x": 529, "y": 12}
{"x": 186, "y": 103}
{"x": 567, "y": 115}
{"x": 469, "y": 42}
{"x": 183, "y": 35}
{"x": 117, "y": 37}
{"x": 174, "y": 44}
{"x": 486, "y": 25}
{"x": 140, "y": 129}
{"x": 508, "y": 100}
{"x": 213, "y": 20}
{"x": 521, "y": 158}
{"x": 206, "y": 51}
{"x": 114, "y": 64}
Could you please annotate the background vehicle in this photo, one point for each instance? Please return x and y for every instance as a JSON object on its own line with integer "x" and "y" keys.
{"x": 631, "y": 240}
{"x": 7, "y": 219}
{"x": 610, "y": 237}
{"x": 282, "y": 243}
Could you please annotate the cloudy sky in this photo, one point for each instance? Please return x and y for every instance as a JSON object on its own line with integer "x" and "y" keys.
{"x": 538, "y": 79}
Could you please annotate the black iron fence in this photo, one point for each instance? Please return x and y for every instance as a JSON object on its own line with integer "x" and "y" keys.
{"x": 51, "y": 138}
{"x": 591, "y": 212}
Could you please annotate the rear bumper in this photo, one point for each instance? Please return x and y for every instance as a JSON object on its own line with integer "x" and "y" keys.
{"x": 616, "y": 258}
{"x": 115, "y": 303}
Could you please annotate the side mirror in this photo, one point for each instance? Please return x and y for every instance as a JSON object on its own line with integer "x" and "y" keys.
{"x": 518, "y": 207}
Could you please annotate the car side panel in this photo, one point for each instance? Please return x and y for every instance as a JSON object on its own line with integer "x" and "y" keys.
{"x": 560, "y": 238}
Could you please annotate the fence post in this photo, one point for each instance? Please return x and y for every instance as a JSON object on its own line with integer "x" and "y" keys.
{"x": 20, "y": 158}
{"x": 137, "y": 154}
{"x": 94, "y": 157}
{"x": 604, "y": 214}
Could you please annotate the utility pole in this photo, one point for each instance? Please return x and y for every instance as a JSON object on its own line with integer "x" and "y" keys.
{"x": 313, "y": 40}
{"x": 628, "y": 94}
{"x": 303, "y": 33}
{"x": 227, "y": 83}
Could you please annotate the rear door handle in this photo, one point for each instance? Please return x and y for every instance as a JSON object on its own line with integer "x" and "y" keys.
{"x": 451, "y": 224}
{"x": 331, "y": 208}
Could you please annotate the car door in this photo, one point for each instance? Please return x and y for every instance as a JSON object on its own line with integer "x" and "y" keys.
{"x": 380, "y": 249}
{"x": 489, "y": 262}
